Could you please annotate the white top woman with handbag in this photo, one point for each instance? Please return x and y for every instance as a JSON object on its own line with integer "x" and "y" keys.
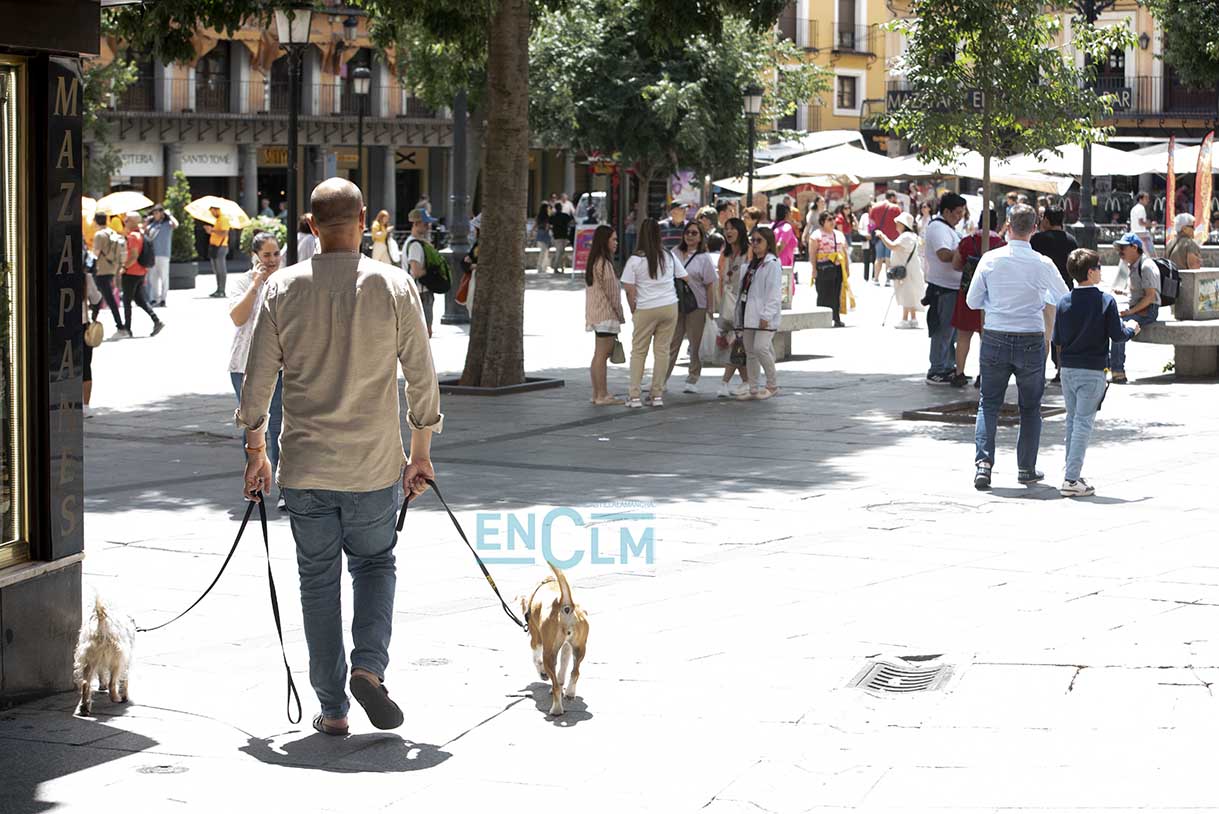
{"x": 906, "y": 269}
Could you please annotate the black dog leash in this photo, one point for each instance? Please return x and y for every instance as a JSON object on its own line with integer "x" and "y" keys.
{"x": 402, "y": 521}
{"x": 293, "y": 695}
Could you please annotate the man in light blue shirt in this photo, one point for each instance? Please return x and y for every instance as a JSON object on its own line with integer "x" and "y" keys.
{"x": 1016, "y": 288}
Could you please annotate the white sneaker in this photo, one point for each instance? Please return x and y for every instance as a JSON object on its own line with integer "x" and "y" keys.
{"x": 723, "y": 392}
{"x": 743, "y": 390}
{"x": 656, "y": 401}
{"x": 690, "y": 387}
{"x": 1076, "y": 488}
{"x": 86, "y": 410}
{"x": 634, "y": 404}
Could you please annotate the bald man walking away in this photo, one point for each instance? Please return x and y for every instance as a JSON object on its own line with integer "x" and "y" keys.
{"x": 339, "y": 325}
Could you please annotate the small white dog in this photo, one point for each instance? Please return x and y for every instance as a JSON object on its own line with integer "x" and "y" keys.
{"x": 107, "y": 641}
{"x": 558, "y": 630}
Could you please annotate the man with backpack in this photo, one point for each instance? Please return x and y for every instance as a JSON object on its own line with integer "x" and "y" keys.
{"x": 110, "y": 253}
{"x": 140, "y": 255}
{"x": 425, "y": 264}
{"x": 1144, "y": 307}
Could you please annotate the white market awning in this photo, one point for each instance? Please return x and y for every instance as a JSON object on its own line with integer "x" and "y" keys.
{"x": 808, "y": 143}
{"x": 970, "y": 164}
{"x": 1105, "y": 161}
{"x": 845, "y": 159}
{"x": 785, "y": 181}
{"x": 1185, "y": 159}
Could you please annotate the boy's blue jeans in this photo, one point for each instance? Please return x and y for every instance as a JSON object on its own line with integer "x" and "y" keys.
{"x": 1082, "y": 389}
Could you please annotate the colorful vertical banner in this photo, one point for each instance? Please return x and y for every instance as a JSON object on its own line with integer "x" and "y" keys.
{"x": 1170, "y": 204}
{"x": 1203, "y": 186}
{"x": 584, "y": 244}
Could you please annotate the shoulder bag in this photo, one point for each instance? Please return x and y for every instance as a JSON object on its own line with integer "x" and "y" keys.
{"x": 899, "y": 272}
{"x": 686, "y": 301}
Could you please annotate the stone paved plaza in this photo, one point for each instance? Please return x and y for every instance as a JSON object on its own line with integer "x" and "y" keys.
{"x": 794, "y": 540}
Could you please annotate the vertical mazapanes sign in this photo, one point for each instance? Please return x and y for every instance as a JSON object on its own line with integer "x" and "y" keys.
{"x": 65, "y": 289}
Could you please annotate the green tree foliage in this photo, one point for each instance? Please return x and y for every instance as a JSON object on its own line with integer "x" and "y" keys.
{"x": 273, "y": 226}
{"x": 165, "y": 28}
{"x": 598, "y": 83}
{"x": 1191, "y": 38}
{"x": 177, "y": 196}
{"x": 1035, "y": 96}
{"x": 100, "y": 84}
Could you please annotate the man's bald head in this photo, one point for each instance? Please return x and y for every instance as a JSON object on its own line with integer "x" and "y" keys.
{"x": 335, "y": 203}
{"x": 337, "y": 216}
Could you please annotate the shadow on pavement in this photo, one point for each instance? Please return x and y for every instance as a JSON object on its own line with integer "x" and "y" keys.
{"x": 575, "y": 711}
{"x": 379, "y": 752}
{"x": 39, "y": 744}
{"x": 553, "y": 447}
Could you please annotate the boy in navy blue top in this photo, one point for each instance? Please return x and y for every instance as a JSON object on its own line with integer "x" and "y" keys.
{"x": 1087, "y": 320}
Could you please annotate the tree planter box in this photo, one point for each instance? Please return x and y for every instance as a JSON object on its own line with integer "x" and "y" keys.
{"x": 182, "y": 275}
{"x": 455, "y": 388}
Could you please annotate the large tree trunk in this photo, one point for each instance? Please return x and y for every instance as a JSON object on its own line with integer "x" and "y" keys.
{"x": 496, "y": 355}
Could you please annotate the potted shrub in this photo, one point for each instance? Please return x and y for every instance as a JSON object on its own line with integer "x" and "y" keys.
{"x": 184, "y": 264}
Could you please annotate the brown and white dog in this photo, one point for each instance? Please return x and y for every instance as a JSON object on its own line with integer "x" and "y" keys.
{"x": 107, "y": 641}
{"x": 557, "y": 627}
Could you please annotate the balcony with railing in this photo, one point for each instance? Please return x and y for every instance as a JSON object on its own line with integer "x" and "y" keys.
{"x": 800, "y": 31}
{"x": 854, "y": 39}
{"x": 262, "y": 97}
{"x": 139, "y": 95}
{"x": 1158, "y": 96}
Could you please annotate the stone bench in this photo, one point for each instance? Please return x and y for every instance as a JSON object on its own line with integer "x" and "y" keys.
{"x": 791, "y": 321}
{"x": 1195, "y": 344}
{"x": 1194, "y": 332}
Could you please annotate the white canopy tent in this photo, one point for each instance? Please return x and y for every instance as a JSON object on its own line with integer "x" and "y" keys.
{"x": 845, "y": 159}
{"x": 1185, "y": 159}
{"x": 1105, "y": 161}
{"x": 970, "y": 164}
{"x": 785, "y": 181}
{"x": 808, "y": 143}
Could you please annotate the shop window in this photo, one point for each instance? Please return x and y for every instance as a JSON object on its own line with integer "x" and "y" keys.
{"x": 13, "y": 546}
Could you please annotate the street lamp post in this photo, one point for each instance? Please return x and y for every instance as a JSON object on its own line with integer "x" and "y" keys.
{"x": 753, "y": 106}
{"x": 293, "y": 26}
{"x": 1085, "y": 229}
{"x": 360, "y": 79}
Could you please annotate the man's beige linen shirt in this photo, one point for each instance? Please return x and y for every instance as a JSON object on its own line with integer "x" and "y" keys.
{"x": 338, "y": 325}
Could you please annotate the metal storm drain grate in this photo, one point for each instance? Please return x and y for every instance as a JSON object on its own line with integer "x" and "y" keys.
{"x": 966, "y": 412}
{"x": 903, "y": 674}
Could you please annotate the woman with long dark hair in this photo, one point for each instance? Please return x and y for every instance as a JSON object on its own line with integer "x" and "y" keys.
{"x": 602, "y": 308}
{"x": 731, "y": 270}
{"x": 758, "y": 311}
{"x": 651, "y": 293}
{"x": 541, "y": 237}
{"x": 700, "y": 270}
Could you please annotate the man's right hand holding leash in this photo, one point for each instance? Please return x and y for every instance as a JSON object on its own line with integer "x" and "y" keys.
{"x": 258, "y": 474}
{"x": 419, "y": 469}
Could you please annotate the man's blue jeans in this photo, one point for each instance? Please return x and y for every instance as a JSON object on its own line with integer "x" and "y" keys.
{"x": 325, "y": 525}
{"x": 1004, "y": 355}
{"x": 275, "y": 420}
{"x": 1117, "y": 350}
{"x": 943, "y": 356}
{"x": 1082, "y": 389}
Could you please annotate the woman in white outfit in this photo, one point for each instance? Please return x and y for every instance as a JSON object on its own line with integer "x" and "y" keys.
{"x": 651, "y": 293}
{"x": 908, "y": 290}
{"x": 758, "y": 308}
{"x": 244, "y": 305}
